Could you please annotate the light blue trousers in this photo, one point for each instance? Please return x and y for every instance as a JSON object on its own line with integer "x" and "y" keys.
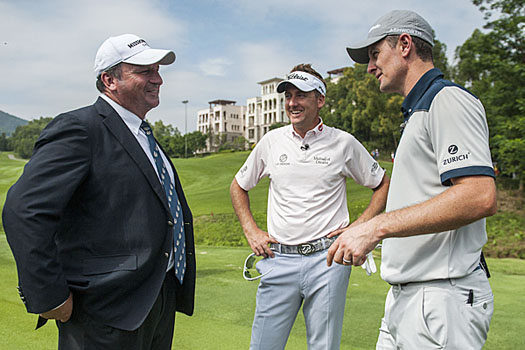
{"x": 295, "y": 280}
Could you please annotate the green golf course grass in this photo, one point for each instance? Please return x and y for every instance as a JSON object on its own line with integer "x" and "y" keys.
{"x": 225, "y": 302}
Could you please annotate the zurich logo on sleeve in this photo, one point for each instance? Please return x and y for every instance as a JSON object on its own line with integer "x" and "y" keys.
{"x": 452, "y": 149}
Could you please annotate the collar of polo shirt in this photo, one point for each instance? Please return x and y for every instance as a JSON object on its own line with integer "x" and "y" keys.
{"x": 303, "y": 81}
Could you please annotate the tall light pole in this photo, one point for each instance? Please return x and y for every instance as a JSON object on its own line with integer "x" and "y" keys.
{"x": 185, "y": 128}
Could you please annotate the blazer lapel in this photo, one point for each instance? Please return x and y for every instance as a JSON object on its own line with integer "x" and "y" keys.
{"x": 120, "y": 131}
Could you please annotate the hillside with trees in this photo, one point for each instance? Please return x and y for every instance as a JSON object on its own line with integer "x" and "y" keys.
{"x": 9, "y": 123}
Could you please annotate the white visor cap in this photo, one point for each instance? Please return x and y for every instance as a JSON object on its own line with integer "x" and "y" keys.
{"x": 303, "y": 81}
{"x": 129, "y": 48}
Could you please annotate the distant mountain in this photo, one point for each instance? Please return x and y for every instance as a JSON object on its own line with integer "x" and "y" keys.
{"x": 8, "y": 123}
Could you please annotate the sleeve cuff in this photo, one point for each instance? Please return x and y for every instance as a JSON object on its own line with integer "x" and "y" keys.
{"x": 468, "y": 171}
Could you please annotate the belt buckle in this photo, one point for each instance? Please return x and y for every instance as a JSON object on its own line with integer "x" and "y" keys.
{"x": 306, "y": 248}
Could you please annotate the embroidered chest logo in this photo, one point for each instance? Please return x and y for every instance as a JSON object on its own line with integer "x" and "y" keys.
{"x": 283, "y": 160}
{"x": 325, "y": 160}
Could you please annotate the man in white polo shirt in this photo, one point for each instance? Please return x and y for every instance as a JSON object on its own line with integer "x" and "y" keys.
{"x": 308, "y": 164}
{"x": 442, "y": 189}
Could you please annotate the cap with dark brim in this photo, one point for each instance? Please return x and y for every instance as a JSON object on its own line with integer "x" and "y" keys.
{"x": 395, "y": 22}
{"x": 304, "y": 81}
{"x": 359, "y": 52}
{"x": 301, "y": 85}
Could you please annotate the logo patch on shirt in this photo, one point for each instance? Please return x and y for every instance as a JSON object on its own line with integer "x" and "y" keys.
{"x": 243, "y": 170}
{"x": 322, "y": 160}
{"x": 453, "y": 149}
{"x": 282, "y": 159}
{"x": 454, "y": 159}
{"x": 375, "y": 168}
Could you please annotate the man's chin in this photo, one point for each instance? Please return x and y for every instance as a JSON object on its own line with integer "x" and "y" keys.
{"x": 154, "y": 102}
{"x": 296, "y": 118}
{"x": 384, "y": 89}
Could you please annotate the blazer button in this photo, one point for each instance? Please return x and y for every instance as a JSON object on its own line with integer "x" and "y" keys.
{"x": 170, "y": 223}
{"x": 166, "y": 255}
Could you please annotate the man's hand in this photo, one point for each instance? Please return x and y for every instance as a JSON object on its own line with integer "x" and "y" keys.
{"x": 353, "y": 244}
{"x": 61, "y": 313}
{"x": 259, "y": 240}
{"x": 337, "y": 232}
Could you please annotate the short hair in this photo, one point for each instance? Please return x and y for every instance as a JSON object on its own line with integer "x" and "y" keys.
{"x": 423, "y": 49}
{"x": 307, "y": 67}
{"x": 114, "y": 71}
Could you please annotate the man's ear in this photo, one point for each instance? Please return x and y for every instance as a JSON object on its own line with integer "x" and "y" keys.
{"x": 320, "y": 101}
{"x": 405, "y": 44}
{"x": 108, "y": 80}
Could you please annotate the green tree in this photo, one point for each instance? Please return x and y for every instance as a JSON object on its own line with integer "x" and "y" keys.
{"x": 174, "y": 143}
{"x": 492, "y": 65}
{"x": 22, "y": 141}
{"x": 4, "y": 143}
{"x": 221, "y": 142}
{"x": 196, "y": 141}
{"x": 439, "y": 53}
{"x": 164, "y": 134}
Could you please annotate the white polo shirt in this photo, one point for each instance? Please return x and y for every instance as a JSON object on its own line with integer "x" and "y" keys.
{"x": 445, "y": 136}
{"x": 307, "y": 194}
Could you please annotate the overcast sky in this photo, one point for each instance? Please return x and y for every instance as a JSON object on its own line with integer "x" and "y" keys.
{"x": 224, "y": 48}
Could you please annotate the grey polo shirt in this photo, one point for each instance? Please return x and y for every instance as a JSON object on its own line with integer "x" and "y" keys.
{"x": 445, "y": 136}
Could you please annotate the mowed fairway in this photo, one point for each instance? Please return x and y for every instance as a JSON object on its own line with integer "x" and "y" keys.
{"x": 225, "y": 301}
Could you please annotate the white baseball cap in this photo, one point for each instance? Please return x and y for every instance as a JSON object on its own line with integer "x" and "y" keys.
{"x": 129, "y": 48}
{"x": 303, "y": 81}
{"x": 393, "y": 23}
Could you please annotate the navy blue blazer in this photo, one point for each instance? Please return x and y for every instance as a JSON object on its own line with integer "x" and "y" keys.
{"x": 89, "y": 215}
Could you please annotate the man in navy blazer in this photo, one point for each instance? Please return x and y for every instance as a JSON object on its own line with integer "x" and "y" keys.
{"x": 89, "y": 222}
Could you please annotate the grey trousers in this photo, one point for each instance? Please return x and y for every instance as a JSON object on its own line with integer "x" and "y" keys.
{"x": 294, "y": 281}
{"x": 438, "y": 314}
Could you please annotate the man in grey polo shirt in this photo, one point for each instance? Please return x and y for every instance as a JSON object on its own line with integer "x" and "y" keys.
{"x": 442, "y": 189}
{"x": 308, "y": 164}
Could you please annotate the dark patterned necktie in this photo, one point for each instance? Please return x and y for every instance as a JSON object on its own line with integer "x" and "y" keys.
{"x": 179, "y": 251}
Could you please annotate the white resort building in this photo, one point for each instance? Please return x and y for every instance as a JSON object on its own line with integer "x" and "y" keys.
{"x": 222, "y": 121}
{"x": 265, "y": 110}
